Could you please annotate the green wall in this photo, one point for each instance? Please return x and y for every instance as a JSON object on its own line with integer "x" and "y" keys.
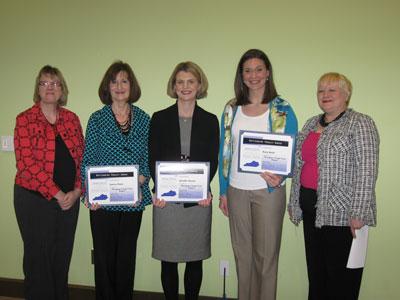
{"x": 303, "y": 39}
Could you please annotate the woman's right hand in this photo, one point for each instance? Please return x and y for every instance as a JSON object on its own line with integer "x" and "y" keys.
{"x": 160, "y": 203}
{"x": 60, "y": 197}
{"x": 223, "y": 205}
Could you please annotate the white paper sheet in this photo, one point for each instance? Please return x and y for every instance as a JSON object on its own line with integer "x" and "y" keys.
{"x": 265, "y": 151}
{"x": 182, "y": 181}
{"x": 113, "y": 185}
{"x": 358, "y": 251}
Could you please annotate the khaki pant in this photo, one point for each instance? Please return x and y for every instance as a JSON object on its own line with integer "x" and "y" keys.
{"x": 255, "y": 220}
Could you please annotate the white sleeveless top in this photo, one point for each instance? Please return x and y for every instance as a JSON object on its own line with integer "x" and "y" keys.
{"x": 246, "y": 181}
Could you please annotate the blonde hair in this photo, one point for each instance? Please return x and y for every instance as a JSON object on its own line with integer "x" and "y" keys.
{"x": 344, "y": 83}
{"x": 197, "y": 72}
{"x": 52, "y": 72}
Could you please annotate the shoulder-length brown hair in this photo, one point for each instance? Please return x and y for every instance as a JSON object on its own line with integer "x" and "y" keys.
{"x": 53, "y": 72}
{"x": 241, "y": 90}
{"x": 111, "y": 74}
{"x": 197, "y": 72}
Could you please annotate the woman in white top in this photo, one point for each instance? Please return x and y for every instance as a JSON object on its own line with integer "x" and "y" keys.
{"x": 254, "y": 203}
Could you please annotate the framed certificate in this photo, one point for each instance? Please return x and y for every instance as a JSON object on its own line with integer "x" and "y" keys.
{"x": 262, "y": 151}
{"x": 113, "y": 185}
{"x": 182, "y": 181}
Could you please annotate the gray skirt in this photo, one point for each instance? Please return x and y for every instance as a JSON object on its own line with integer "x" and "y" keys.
{"x": 181, "y": 234}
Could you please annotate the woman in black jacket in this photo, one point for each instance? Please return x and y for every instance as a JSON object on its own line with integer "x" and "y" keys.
{"x": 183, "y": 132}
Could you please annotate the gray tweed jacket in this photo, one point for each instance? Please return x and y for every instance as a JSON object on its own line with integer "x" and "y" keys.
{"x": 347, "y": 154}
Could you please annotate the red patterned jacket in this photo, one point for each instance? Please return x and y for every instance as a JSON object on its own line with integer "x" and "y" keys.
{"x": 34, "y": 143}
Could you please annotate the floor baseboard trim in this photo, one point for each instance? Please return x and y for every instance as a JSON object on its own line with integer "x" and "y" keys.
{"x": 15, "y": 288}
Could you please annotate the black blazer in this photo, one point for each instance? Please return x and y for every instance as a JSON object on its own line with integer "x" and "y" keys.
{"x": 165, "y": 141}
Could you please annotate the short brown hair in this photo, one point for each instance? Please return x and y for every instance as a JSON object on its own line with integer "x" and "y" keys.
{"x": 241, "y": 90}
{"x": 111, "y": 74}
{"x": 52, "y": 72}
{"x": 344, "y": 83}
{"x": 197, "y": 72}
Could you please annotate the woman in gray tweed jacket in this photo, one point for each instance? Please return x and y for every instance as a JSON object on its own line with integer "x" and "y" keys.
{"x": 333, "y": 188}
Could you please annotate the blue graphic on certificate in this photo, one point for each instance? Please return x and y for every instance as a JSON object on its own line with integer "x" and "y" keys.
{"x": 263, "y": 151}
{"x": 112, "y": 185}
{"x": 182, "y": 181}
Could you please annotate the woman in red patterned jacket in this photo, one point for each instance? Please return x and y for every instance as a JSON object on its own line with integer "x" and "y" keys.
{"x": 49, "y": 145}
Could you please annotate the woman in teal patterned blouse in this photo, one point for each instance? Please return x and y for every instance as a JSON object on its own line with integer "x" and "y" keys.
{"x": 117, "y": 134}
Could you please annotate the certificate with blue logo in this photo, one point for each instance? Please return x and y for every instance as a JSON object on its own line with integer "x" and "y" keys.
{"x": 265, "y": 152}
{"x": 182, "y": 181}
{"x": 113, "y": 185}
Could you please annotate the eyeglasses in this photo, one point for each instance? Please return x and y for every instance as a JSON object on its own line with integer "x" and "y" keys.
{"x": 53, "y": 84}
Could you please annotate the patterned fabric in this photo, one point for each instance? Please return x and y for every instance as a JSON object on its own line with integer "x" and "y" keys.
{"x": 226, "y": 124}
{"x": 348, "y": 151}
{"x": 34, "y": 142}
{"x": 281, "y": 120}
{"x": 107, "y": 145}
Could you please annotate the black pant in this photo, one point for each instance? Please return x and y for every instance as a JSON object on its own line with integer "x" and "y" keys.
{"x": 192, "y": 281}
{"x": 327, "y": 252}
{"x": 48, "y": 234}
{"x": 115, "y": 237}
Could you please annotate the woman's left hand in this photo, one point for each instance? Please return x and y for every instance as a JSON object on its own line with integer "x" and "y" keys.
{"x": 206, "y": 202}
{"x": 355, "y": 224}
{"x": 272, "y": 180}
{"x": 142, "y": 180}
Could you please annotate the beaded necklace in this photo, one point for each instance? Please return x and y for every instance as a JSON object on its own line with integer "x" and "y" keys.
{"x": 323, "y": 123}
{"x": 125, "y": 126}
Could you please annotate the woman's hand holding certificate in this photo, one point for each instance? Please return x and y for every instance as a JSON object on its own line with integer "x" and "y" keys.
{"x": 206, "y": 202}
{"x": 272, "y": 180}
{"x": 160, "y": 203}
